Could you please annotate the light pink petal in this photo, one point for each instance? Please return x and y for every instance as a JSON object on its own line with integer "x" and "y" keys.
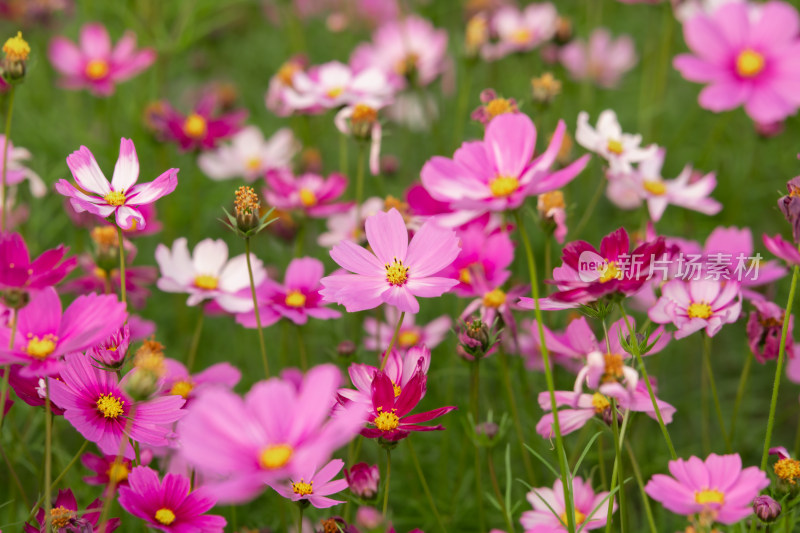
{"x": 126, "y": 171}
{"x": 510, "y": 138}
{"x": 387, "y": 236}
{"x": 65, "y": 56}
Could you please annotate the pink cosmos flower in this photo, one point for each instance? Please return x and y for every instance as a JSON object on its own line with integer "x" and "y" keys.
{"x": 363, "y": 480}
{"x": 106, "y": 469}
{"x": 313, "y": 486}
{"x": 520, "y": 30}
{"x": 95, "y": 279}
{"x": 202, "y": 129}
{"x": 349, "y": 226}
{"x": 748, "y": 57}
{"x": 398, "y": 271}
{"x": 44, "y": 333}
{"x": 177, "y": 379}
{"x": 249, "y": 155}
{"x": 408, "y": 50}
{"x": 695, "y": 305}
{"x": 591, "y": 510}
{"x": 603, "y": 60}
{"x": 17, "y": 172}
{"x": 17, "y": 271}
{"x": 286, "y": 426}
{"x": 718, "y": 486}
{"x": 169, "y": 505}
{"x": 100, "y": 410}
{"x": 296, "y": 299}
{"x": 379, "y": 334}
{"x": 782, "y": 249}
{"x": 112, "y": 351}
{"x": 389, "y": 416}
{"x": 310, "y": 193}
{"x": 494, "y": 303}
{"x": 484, "y": 253}
{"x": 94, "y": 64}
{"x": 280, "y": 82}
{"x": 609, "y": 142}
{"x": 122, "y": 197}
{"x": 66, "y": 517}
{"x": 334, "y": 84}
{"x": 764, "y": 328}
{"x": 207, "y": 273}
{"x": 497, "y": 174}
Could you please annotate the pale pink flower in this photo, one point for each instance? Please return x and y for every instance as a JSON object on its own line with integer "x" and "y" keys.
{"x": 698, "y": 304}
{"x": 332, "y": 85}
{"x": 591, "y": 510}
{"x": 410, "y": 334}
{"x": 249, "y": 155}
{"x": 349, "y": 226}
{"x": 313, "y": 486}
{"x": 609, "y": 142}
{"x": 314, "y": 195}
{"x": 602, "y": 60}
{"x": 520, "y": 30}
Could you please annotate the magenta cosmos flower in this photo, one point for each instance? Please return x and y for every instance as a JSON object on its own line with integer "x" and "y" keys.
{"x": 764, "y": 328}
{"x": 296, "y": 299}
{"x": 603, "y": 60}
{"x": 313, "y": 486}
{"x": 98, "y": 408}
{"x": 310, "y": 193}
{"x": 780, "y": 247}
{"x": 44, "y": 333}
{"x": 748, "y": 57}
{"x": 718, "y": 486}
{"x": 178, "y": 380}
{"x": 410, "y": 334}
{"x": 17, "y": 271}
{"x": 201, "y": 129}
{"x": 398, "y": 271}
{"x": 591, "y": 510}
{"x": 66, "y": 517}
{"x": 497, "y": 174}
{"x": 280, "y": 426}
{"x": 94, "y": 64}
{"x": 106, "y": 469}
{"x": 486, "y": 253}
{"x": 169, "y": 505}
{"x": 695, "y": 305}
{"x": 122, "y": 197}
{"x": 96, "y": 279}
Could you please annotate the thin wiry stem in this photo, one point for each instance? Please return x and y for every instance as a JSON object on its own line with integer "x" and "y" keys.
{"x": 255, "y": 308}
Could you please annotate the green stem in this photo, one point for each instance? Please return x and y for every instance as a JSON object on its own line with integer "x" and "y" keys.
{"x": 360, "y": 166}
{"x": 394, "y": 338}
{"x": 58, "y": 479}
{"x": 548, "y": 374}
{"x": 343, "y": 162}
{"x": 48, "y": 456}
{"x": 5, "y": 159}
{"x": 122, "y": 287}
{"x": 463, "y": 102}
{"x": 388, "y": 477}
{"x": 639, "y": 359}
{"x": 425, "y": 486}
{"x": 617, "y": 476}
{"x": 300, "y": 520}
{"x": 301, "y": 347}
{"x": 255, "y": 308}
{"x": 479, "y": 488}
{"x": 748, "y": 363}
{"x": 15, "y": 477}
{"x": 714, "y": 393}
{"x": 512, "y": 403}
{"x": 639, "y": 481}
{"x": 198, "y": 330}
{"x": 497, "y": 493}
{"x": 7, "y": 368}
{"x": 475, "y": 390}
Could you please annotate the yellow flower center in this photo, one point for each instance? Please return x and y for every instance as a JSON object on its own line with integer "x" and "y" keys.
{"x": 408, "y": 338}
{"x": 499, "y": 106}
{"x": 749, "y": 63}
{"x": 551, "y": 200}
{"x": 397, "y": 390}
{"x": 396, "y": 273}
{"x": 704, "y": 497}
{"x": 611, "y": 272}
{"x": 117, "y": 472}
{"x": 788, "y": 469}
{"x": 600, "y": 402}
{"x": 105, "y": 236}
{"x": 580, "y": 518}
{"x": 407, "y": 65}
{"x": 182, "y": 388}
{"x": 60, "y": 517}
{"x": 254, "y": 163}
{"x": 503, "y": 186}
{"x": 115, "y": 198}
{"x": 387, "y": 421}
{"x": 16, "y": 48}
{"x": 521, "y": 36}
{"x": 110, "y": 406}
{"x": 364, "y": 114}
{"x": 100, "y": 273}
{"x": 206, "y": 281}
{"x": 615, "y": 147}
{"x": 295, "y": 299}
{"x": 614, "y": 363}
{"x": 165, "y": 516}
{"x": 699, "y": 310}
{"x": 41, "y": 347}
{"x": 275, "y": 456}
{"x": 307, "y": 197}
{"x": 464, "y": 276}
{"x": 477, "y": 32}
{"x": 656, "y": 187}
{"x": 335, "y": 92}
{"x": 195, "y": 126}
{"x": 494, "y": 298}
{"x": 302, "y": 488}
{"x": 97, "y": 69}
{"x": 287, "y": 71}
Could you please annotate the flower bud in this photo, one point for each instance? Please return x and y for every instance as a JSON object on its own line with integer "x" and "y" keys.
{"x": 766, "y": 509}
{"x": 545, "y": 88}
{"x": 346, "y": 349}
{"x": 476, "y": 34}
{"x": 15, "y": 298}
{"x": 16, "y": 51}
{"x": 362, "y": 121}
{"x": 363, "y": 480}
{"x": 112, "y": 351}
{"x": 790, "y": 206}
{"x": 247, "y": 209}
{"x": 487, "y": 429}
{"x": 475, "y": 339}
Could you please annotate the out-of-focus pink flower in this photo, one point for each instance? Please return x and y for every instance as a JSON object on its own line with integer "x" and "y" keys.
{"x": 409, "y": 50}
{"x": 123, "y": 196}
{"x": 106, "y": 468}
{"x": 17, "y": 271}
{"x": 94, "y": 64}
{"x": 360, "y": 120}
{"x": 112, "y": 351}
{"x": 169, "y": 505}
{"x": 698, "y": 304}
{"x": 280, "y": 82}
{"x": 65, "y": 516}
{"x": 349, "y": 226}
{"x": 398, "y": 271}
{"x": 177, "y": 379}
{"x": 484, "y": 253}
{"x": 334, "y": 84}
{"x": 553, "y": 213}
{"x": 379, "y": 334}
{"x": 96, "y": 279}
{"x": 249, "y": 155}
{"x": 747, "y": 57}
{"x": 764, "y": 328}
{"x": 789, "y": 205}
{"x": 17, "y": 172}
{"x": 207, "y": 273}
{"x": 609, "y": 142}
{"x": 202, "y": 129}
{"x": 520, "y": 30}
{"x": 313, "y": 486}
{"x": 718, "y": 487}
{"x": 310, "y": 193}
{"x": 492, "y": 105}
{"x": 782, "y": 249}
{"x": 497, "y": 174}
{"x": 363, "y": 480}
{"x": 602, "y": 61}
{"x": 591, "y": 511}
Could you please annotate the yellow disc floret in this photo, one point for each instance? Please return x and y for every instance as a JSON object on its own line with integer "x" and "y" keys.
{"x": 195, "y": 126}
{"x": 387, "y": 421}
{"x": 302, "y": 488}
{"x": 110, "y": 406}
{"x": 97, "y": 69}
{"x": 704, "y": 497}
{"x": 206, "y": 281}
{"x": 699, "y": 310}
{"x": 408, "y": 338}
{"x": 655, "y": 187}
{"x": 614, "y": 364}
{"x": 165, "y": 516}
{"x": 396, "y": 273}
{"x": 182, "y": 388}
{"x": 749, "y": 63}
{"x": 611, "y": 272}
{"x": 615, "y": 147}
{"x": 503, "y": 186}
{"x": 16, "y": 48}
{"x": 307, "y": 197}
{"x": 494, "y": 298}
{"x": 60, "y": 517}
{"x": 41, "y": 347}
{"x": 118, "y": 472}
{"x": 580, "y": 518}
{"x": 788, "y": 469}
{"x": 499, "y": 106}
{"x": 275, "y": 456}
{"x": 115, "y": 198}
{"x": 295, "y": 299}
{"x": 600, "y": 402}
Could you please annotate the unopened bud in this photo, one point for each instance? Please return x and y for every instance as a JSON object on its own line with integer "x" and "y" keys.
{"x": 766, "y": 508}
{"x": 247, "y": 209}
{"x": 346, "y": 349}
{"x": 16, "y": 51}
